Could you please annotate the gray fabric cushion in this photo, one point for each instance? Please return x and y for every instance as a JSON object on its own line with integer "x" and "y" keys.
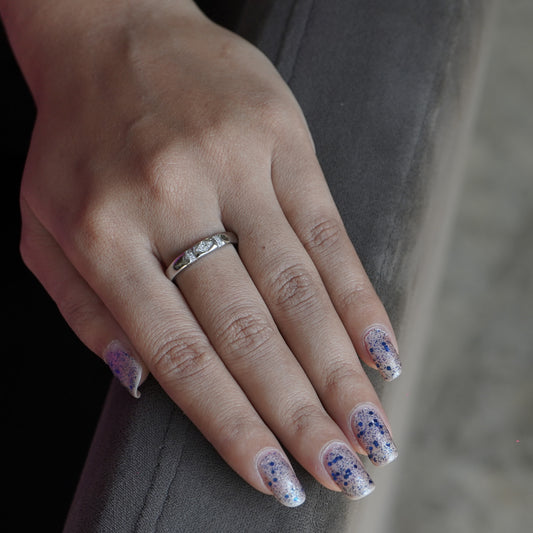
{"x": 385, "y": 86}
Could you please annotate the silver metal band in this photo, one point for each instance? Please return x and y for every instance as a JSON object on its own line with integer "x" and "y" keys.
{"x": 201, "y": 248}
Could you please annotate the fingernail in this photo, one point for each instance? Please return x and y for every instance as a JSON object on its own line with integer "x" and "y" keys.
{"x": 379, "y": 345}
{"x": 124, "y": 367}
{"x": 347, "y": 471}
{"x": 280, "y": 478}
{"x": 372, "y": 434}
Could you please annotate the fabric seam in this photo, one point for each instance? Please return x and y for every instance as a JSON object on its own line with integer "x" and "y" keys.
{"x": 155, "y": 474}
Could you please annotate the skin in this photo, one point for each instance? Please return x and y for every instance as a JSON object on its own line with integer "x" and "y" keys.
{"x": 155, "y": 129}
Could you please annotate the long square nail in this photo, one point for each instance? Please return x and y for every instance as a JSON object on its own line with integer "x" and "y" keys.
{"x": 279, "y": 477}
{"x": 382, "y": 351}
{"x": 372, "y": 434}
{"x": 124, "y": 367}
{"x": 347, "y": 471}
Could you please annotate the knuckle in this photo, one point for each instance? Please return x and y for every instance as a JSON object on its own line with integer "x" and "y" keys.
{"x": 296, "y": 288}
{"x": 280, "y": 120}
{"x": 324, "y": 234}
{"x": 238, "y": 429}
{"x": 341, "y": 376}
{"x": 274, "y": 113}
{"x": 359, "y": 295}
{"x": 92, "y": 227}
{"x": 160, "y": 172}
{"x": 304, "y": 417}
{"x": 246, "y": 332}
{"x": 181, "y": 358}
{"x": 79, "y": 314}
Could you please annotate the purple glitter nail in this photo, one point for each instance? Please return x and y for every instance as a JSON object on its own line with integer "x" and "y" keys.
{"x": 280, "y": 478}
{"x": 347, "y": 471}
{"x": 372, "y": 434}
{"x": 383, "y": 353}
{"x": 124, "y": 367}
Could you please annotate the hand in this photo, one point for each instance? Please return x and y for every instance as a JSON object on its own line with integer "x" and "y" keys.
{"x": 157, "y": 128}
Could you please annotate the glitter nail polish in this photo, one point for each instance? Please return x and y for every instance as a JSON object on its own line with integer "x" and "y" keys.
{"x": 373, "y": 435}
{"x": 383, "y": 353}
{"x": 280, "y": 478}
{"x": 347, "y": 471}
{"x": 124, "y": 367}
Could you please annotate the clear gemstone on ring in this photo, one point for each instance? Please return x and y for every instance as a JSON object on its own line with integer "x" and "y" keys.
{"x": 203, "y": 246}
{"x": 221, "y": 239}
{"x": 189, "y": 256}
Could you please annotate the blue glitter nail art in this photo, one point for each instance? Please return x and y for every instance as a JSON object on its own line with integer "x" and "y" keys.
{"x": 347, "y": 471}
{"x": 124, "y": 367}
{"x": 373, "y": 435}
{"x": 382, "y": 351}
{"x": 280, "y": 478}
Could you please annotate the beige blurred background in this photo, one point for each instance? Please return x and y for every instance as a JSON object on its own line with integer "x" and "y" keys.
{"x": 467, "y": 461}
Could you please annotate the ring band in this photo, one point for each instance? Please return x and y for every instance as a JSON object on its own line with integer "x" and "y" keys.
{"x": 201, "y": 248}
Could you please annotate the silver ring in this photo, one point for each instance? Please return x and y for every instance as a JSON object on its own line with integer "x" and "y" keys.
{"x": 201, "y": 248}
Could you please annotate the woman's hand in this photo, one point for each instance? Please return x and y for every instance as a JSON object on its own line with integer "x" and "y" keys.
{"x": 155, "y": 129}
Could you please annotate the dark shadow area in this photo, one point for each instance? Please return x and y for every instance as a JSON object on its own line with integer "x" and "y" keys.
{"x": 53, "y": 387}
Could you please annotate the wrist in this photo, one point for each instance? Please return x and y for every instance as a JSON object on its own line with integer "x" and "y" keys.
{"x": 59, "y": 42}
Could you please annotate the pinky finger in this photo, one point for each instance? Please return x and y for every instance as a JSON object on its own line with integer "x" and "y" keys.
{"x": 79, "y": 305}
